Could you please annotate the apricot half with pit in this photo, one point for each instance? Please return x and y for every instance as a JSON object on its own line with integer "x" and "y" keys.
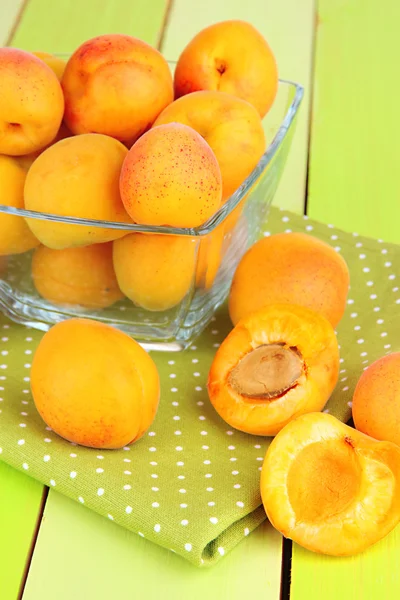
{"x": 276, "y": 364}
{"x": 94, "y": 385}
{"x": 330, "y": 488}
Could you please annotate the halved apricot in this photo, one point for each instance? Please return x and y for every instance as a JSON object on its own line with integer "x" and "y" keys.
{"x": 276, "y": 364}
{"x": 330, "y": 488}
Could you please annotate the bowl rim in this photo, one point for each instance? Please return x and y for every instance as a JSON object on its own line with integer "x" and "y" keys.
{"x": 213, "y": 221}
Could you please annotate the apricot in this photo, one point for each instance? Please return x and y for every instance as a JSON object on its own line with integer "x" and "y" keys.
{"x": 276, "y": 364}
{"x": 15, "y": 235}
{"x": 231, "y": 126}
{"x": 209, "y": 257}
{"x": 83, "y": 276}
{"x": 293, "y": 268}
{"x": 171, "y": 177}
{"x": 155, "y": 271}
{"x": 94, "y": 385}
{"x": 55, "y": 63}
{"x": 116, "y": 85}
{"x": 233, "y": 57}
{"x": 31, "y": 103}
{"x": 77, "y": 177}
{"x": 330, "y": 488}
{"x": 376, "y": 400}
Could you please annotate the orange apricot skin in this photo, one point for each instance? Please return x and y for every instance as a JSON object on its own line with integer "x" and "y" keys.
{"x": 295, "y": 326}
{"x": 209, "y": 257}
{"x": 233, "y": 57}
{"x": 376, "y": 399}
{"x": 111, "y": 394}
{"x": 292, "y": 268}
{"x": 55, "y": 63}
{"x": 83, "y": 276}
{"x": 171, "y": 177}
{"x": 31, "y": 103}
{"x": 336, "y": 536}
{"x": 116, "y": 85}
{"x": 155, "y": 271}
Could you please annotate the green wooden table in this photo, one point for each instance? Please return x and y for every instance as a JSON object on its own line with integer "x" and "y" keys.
{"x": 343, "y": 168}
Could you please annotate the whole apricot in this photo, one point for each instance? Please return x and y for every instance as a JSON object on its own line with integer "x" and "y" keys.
{"x": 330, "y": 488}
{"x": 15, "y": 235}
{"x": 231, "y": 126}
{"x": 171, "y": 177}
{"x": 376, "y": 400}
{"x": 77, "y": 177}
{"x": 277, "y": 363}
{"x": 83, "y": 276}
{"x": 293, "y": 268}
{"x": 94, "y": 385}
{"x": 116, "y": 85}
{"x": 31, "y": 103}
{"x": 209, "y": 257}
{"x": 233, "y": 57}
{"x": 55, "y": 63}
{"x": 155, "y": 271}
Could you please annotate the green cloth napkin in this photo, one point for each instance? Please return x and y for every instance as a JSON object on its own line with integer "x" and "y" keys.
{"x": 191, "y": 484}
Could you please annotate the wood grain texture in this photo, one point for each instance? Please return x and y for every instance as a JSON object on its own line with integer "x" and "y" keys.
{"x": 288, "y": 25}
{"x": 20, "y": 502}
{"x": 84, "y": 556}
{"x": 62, "y": 25}
{"x": 355, "y": 135}
{"x": 9, "y": 13}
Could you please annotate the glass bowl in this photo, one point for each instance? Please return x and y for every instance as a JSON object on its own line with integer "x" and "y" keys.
{"x": 215, "y": 249}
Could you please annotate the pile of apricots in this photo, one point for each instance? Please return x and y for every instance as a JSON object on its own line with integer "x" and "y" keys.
{"x": 112, "y": 136}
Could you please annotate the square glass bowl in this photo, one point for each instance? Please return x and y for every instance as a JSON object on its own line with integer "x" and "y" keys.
{"x": 197, "y": 289}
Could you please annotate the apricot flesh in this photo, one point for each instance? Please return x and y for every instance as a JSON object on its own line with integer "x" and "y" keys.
{"x": 111, "y": 392}
{"x": 276, "y": 364}
{"x": 15, "y": 235}
{"x": 77, "y": 177}
{"x": 293, "y": 268}
{"x": 115, "y": 85}
{"x": 155, "y": 271}
{"x": 31, "y": 103}
{"x": 171, "y": 177}
{"x": 76, "y": 276}
{"x": 229, "y": 56}
{"x": 376, "y": 399}
{"x": 330, "y": 488}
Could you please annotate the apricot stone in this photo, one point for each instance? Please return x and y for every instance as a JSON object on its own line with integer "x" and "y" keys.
{"x": 376, "y": 400}
{"x": 155, "y": 271}
{"x": 111, "y": 394}
{"x": 15, "y": 235}
{"x": 171, "y": 177}
{"x": 77, "y": 177}
{"x": 83, "y": 276}
{"x": 31, "y": 103}
{"x": 330, "y": 488}
{"x": 116, "y": 85}
{"x": 233, "y": 57}
{"x": 292, "y": 268}
{"x": 276, "y": 364}
{"x": 231, "y": 126}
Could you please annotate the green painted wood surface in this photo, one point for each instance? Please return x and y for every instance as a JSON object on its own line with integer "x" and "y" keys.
{"x": 354, "y": 183}
{"x": 289, "y": 28}
{"x": 355, "y": 141}
{"x": 61, "y": 25}
{"x": 20, "y": 500}
{"x": 83, "y": 556}
{"x": 9, "y": 12}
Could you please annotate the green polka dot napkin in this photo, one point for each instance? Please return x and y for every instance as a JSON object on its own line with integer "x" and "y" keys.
{"x": 191, "y": 484}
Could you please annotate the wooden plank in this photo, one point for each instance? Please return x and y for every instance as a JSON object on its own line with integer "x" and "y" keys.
{"x": 10, "y": 11}
{"x": 288, "y": 25}
{"x": 62, "y": 25}
{"x": 355, "y": 144}
{"x": 354, "y": 183}
{"x": 81, "y": 555}
{"x": 20, "y": 501}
